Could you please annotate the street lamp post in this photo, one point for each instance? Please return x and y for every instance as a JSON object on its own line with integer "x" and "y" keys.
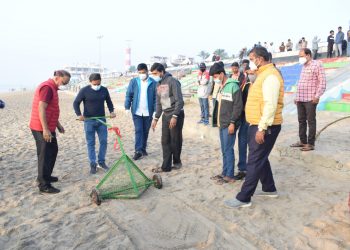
{"x": 99, "y": 37}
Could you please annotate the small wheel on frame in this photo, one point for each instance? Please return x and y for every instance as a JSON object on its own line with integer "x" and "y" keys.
{"x": 95, "y": 197}
{"x": 157, "y": 179}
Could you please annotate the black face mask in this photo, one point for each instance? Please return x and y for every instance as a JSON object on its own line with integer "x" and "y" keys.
{"x": 202, "y": 70}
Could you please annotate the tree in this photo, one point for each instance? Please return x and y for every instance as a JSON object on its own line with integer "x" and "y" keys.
{"x": 132, "y": 68}
{"x": 222, "y": 53}
{"x": 203, "y": 54}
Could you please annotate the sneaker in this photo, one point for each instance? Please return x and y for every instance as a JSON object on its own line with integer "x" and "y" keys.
{"x": 205, "y": 123}
{"x": 103, "y": 166}
{"x": 137, "y": 156}
{"x": 93, "y": 167}
{"x": 144, "y": 153}
{"x": 267, "y": 194}
{"x": 239, "y": 176}
{"x": 200, "y": 122}
{"x": 177, "y": 166}
{"x": 49, "y": 189}
{"x": 234, "y": 203}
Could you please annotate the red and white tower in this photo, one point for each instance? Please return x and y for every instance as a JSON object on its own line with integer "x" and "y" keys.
{"x": 128, "y": 56}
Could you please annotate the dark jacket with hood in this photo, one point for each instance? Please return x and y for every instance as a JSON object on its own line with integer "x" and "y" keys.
{"x": 231, "y": 106}
{"x": 169, "y": 97}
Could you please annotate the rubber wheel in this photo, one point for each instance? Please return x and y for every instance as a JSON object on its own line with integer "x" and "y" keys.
{"x": 157, "y": 181}
{"x": 95, "y": 198}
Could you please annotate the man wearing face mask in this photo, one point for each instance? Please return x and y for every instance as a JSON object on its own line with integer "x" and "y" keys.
{"x": 141, "y": 98}
{"x": 93, "y": 97}
{"x": 226, "y": 115}
{"x": 43, "y": 124}
{"x": 203, "y": 93}
{"x": 264, "y": 114}
{"x": 311, "y": 86}
{"x": 170, "y": 106}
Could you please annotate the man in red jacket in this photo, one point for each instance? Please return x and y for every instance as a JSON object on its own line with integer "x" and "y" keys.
{"x": 43, "y": 123}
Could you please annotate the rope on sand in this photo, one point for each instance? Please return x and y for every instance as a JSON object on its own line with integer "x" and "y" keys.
{"x": 329, "y": 124}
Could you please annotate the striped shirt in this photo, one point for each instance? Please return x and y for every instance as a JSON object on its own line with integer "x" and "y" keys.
{"x": 312, "y": 82}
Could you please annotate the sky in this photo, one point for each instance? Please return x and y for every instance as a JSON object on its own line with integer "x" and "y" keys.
{"x": 39, "y": 36}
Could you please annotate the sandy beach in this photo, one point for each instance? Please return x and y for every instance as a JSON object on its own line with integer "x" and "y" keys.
{"x": 188, "y": 213}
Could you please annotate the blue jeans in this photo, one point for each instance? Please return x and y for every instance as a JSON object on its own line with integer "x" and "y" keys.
{"x": 243, "y": 145}
{"x": 91, "y": 128}
{"x": 228, "y": 156}
{"x": 142, "y": 125}
{"x": 204, "y": 104}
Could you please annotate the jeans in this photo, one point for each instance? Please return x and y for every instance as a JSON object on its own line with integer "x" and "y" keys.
{"x": 242, "y": 145}
{"x": 338, "y": 50}
{"x": 171, "y": 141}
{"x": 91, "y": 128}
{"x": 142, "y": 125}
{"x": 204, "y": 104}
{"x": 307, "y": 112}
{"x": 228, "y": 155}
{"x": 258, "y": 166}
{"x": 47, "y": 154}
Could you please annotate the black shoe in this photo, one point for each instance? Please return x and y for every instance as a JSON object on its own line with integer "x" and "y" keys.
{"x": 53, "y": 179}
{"x": 177, "y": 166}
{"x": 103, "y": 166}
{"x": 93, "y": 168}
{"x": 144, "y": 153}
{"x": 239, "y": 176}
{"x": 137, "y": 156}
{"x": 49, "y": 189}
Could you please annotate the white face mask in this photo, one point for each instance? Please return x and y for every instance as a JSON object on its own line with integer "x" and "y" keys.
{"x": 302, "y": 60}
{"x": 217, "y": 81}
{"x": 143, "y": 76}
{"x": 156, "y": 78}
{"x": 62, "y": 87}
{"x": 96, "y": 87}
{"x": 252, "y": 65}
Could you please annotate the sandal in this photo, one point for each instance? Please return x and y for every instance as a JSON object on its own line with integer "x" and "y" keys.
{"x": 158, "y": 170}
{"x": 298, "y": 145}
{"x": 216, "y": 177}
{"x": 221, "y": 181}
{"x": 308, "y": 147}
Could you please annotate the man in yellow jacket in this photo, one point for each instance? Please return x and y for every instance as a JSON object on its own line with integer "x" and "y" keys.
{"x": 264, "y": 114}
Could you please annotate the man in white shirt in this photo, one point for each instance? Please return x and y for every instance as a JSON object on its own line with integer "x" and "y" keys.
{"x": 141, "y": 99}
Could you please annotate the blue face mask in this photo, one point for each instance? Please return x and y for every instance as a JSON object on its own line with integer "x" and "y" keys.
{"x": 96, "y": 87}
{"x": 156, "y": 78}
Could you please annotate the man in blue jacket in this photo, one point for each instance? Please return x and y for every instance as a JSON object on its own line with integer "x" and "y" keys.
{"x": 141, "y": 98}
{"x": 339, "y": 42}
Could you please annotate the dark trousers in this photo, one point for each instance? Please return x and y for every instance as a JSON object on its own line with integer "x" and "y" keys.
{"x": 314, "y": 51}
{"x": 330, "y": 51}
{"x": 171, "y": 141}
{"x": 258, "y": 166}
{"x": 47, "y": 153}
{"x": 142, "y": 125}
{"x": 307, "y": 112}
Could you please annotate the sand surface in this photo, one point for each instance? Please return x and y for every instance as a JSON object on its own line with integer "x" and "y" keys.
{"x": 188, "y": 213}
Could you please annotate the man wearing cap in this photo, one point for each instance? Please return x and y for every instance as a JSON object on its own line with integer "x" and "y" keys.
{"x": 93, "y": 97}
{"x": 203, "y": 92}
{"x": 43, "y": 124}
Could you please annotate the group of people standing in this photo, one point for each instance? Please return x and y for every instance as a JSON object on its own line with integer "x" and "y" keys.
{"x": 249, "y": 101}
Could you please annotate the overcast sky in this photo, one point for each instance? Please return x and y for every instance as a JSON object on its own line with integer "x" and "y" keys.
{"x": 39, "y": 36}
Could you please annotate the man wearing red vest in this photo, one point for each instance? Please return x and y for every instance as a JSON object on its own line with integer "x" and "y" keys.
{"x": 43, "y": 123}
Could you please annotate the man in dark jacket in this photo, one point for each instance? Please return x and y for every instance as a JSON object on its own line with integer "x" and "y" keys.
{"x": 141, "y": 98}
{"x": 2, "y": 105}
{"x": 330, "y": 40}
{"x": 94, "y": 96}
{"x": 169, "y": 104}
{"x": 226, "y": 115}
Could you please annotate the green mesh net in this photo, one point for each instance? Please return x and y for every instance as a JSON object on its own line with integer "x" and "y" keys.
{"x": 124, "y": 179}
